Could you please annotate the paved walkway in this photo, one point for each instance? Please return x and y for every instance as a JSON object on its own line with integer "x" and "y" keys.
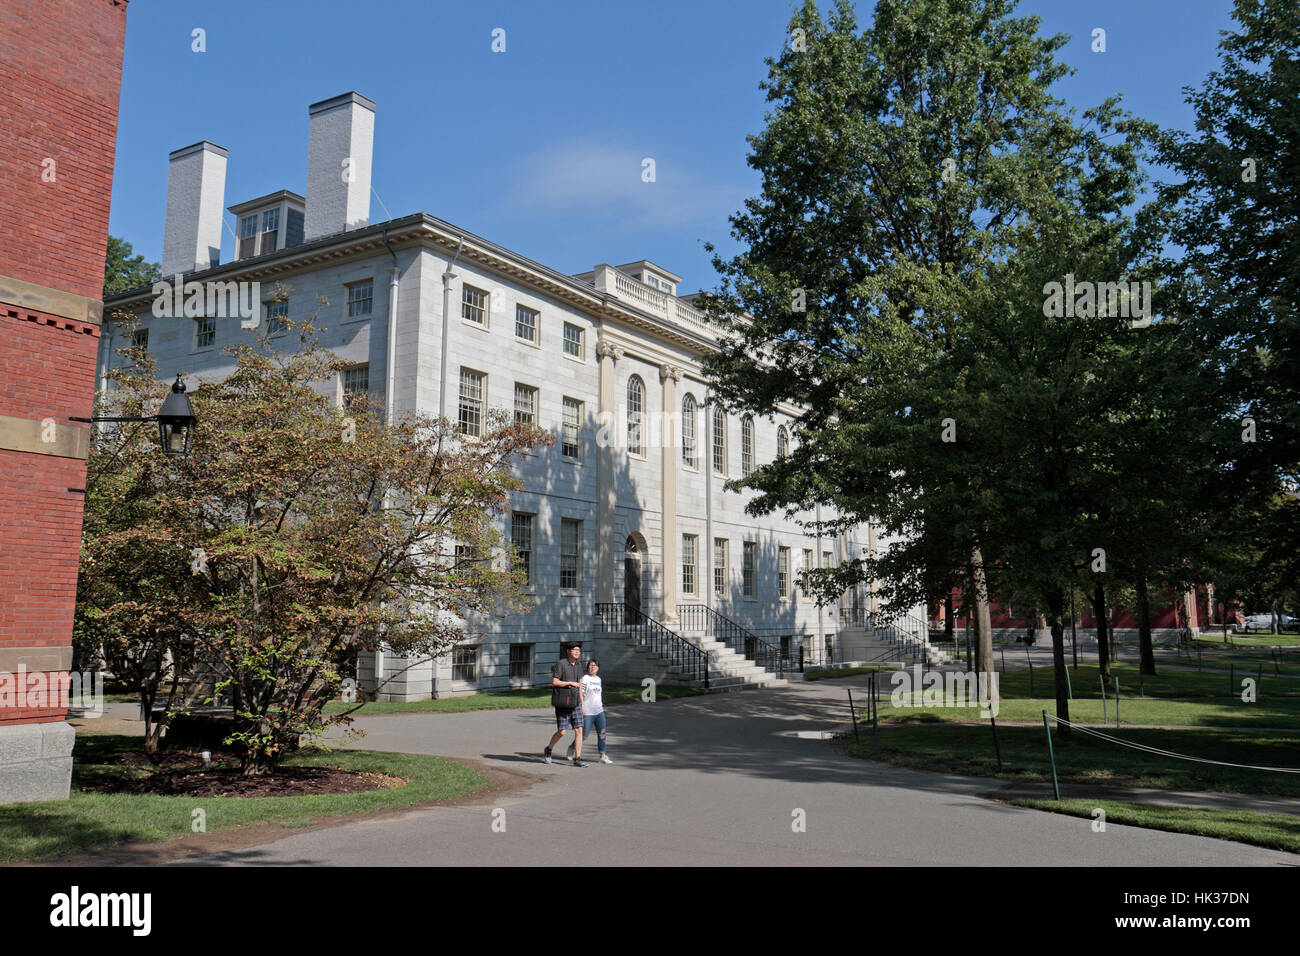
{"x": 716, "y": 781}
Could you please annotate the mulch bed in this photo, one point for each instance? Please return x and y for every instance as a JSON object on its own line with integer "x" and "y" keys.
{"x": 188, "y": 777}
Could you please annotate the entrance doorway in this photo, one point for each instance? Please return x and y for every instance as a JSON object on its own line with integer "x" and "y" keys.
{"x": 632, "y": 581}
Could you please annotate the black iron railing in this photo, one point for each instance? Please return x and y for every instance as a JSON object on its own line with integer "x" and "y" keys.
{"x": 677, "y": 650}
{"x": 701, "y": 617}
{"x": 908, "y": 633}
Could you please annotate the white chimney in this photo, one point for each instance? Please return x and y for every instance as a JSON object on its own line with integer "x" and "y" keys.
{"x": 338, "y": 164}
{"x": 196, "y": 195}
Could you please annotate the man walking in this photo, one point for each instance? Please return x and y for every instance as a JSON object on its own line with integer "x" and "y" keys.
{"x": 566, "y": 698}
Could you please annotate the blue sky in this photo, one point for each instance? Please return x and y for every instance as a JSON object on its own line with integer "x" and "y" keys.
{"x": 540, "y": 148}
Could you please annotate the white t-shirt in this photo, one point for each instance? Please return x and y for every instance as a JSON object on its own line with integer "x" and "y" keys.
{"x": 591, "y": 690}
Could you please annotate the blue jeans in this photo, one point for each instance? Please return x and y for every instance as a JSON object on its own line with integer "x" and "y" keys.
{"x": 597, "y": 721}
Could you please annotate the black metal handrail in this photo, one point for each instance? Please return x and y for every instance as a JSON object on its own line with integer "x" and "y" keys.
{"x": 701, "y": 617}
{"x": 888, "y": 629}
{"x": 648, "y": 632}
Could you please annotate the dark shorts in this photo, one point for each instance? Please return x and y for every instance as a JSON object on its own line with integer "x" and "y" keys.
{"x": 564, "y": 719}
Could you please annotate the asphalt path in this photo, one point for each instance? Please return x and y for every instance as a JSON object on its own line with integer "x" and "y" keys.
{"x": 715, "y": 780}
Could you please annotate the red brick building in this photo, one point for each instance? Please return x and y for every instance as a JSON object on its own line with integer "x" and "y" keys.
{"x": 60, "y": 74}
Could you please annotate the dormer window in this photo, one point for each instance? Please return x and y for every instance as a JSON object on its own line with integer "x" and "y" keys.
{"x": 268, "y": 224}
{"x": 270, "y": 229}
{"x": 248, "y": 236}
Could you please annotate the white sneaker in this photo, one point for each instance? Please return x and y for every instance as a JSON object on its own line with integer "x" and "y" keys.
{"x": 570, "y": 753}
{"x": 604, "y": 758}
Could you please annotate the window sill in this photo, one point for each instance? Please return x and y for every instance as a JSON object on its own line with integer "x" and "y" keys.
{"x": 481, "y": 326}
{"x": 206, "y": 348}
{"x": 528, "y": 342}
{"x": 574, "y": 358}
{"x": 352, "y": 320}
{"x": 571, "y": 460}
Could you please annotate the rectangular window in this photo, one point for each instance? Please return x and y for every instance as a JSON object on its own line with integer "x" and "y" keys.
{"x": 356, "y": 380}
{"x": 719, "y": 565}
{"x": 748, "y": 566}
{"x": 473, "y": 305}
{"x": 786, "y": 640}
{"x": 525, "y": 324}
{"x": 248, "y": 237}
{"x": 521, "y": 662}
{"x": 205, "y": 332}
{"x": 571, "y": 440}
{"x": 570, "y": 553}
{"x": 827, "y": 562}
{"x": 525, "y": 404}
{"x": 521, "y": 537}
{"x": 464, "y": 664}
{"x": 783, "y": 572}
{"x": 471, "y": 402}
{"x": 689, "y": 548}
{"x": 140, "y": 339}
{"x": 361, "y": 298}
{"x": 573, "y": 341}
{"x": 719, "y": 441}
{"x": 807, "y": 565}
{"x": 275, "y": 313}
{"x": 270, "y": 228}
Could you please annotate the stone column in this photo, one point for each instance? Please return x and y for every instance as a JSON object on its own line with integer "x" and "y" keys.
{"x": 670, "y": 449}
{"x": 606, "y": 494}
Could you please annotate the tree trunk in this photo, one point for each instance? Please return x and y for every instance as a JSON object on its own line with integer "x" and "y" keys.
{"x": 983, "y": 622}
{"x": 1103, "y": 639}
{"x": 1144, "y": 627}
{"x": 1056, "y": 605}
{"x": 947, "y": 617}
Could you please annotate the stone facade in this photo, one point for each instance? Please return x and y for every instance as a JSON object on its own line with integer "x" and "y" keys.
{"x": 638, "y": 349}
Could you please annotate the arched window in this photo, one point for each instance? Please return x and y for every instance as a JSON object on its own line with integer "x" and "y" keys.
{"x": 782, "y": 442}
{"x": 690, "y": 456}
{"x": 746, "y": 445}
{"x": 635, "y": 409}
{"x": 719, "y": 441}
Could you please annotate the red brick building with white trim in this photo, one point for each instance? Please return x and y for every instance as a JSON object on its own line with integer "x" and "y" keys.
{"x": 60, "y": 75}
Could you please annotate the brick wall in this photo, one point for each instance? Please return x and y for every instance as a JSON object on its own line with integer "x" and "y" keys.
{"x": 60, "y": 74}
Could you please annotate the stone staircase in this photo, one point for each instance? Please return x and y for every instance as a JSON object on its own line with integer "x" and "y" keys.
{"x": 656, "y": 648}
{"x": 903, "y": 642}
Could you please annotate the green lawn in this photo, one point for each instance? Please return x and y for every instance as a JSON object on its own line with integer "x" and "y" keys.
{"x": 1277, "y": 831}
{"x": 1180, "y": 682}
{"x": 1279, "y": 713}
{"x": 90, "y": 820}
{"x": 615, "y": 695}
{"x": 833, "y": 672}
{"x": 964, "y": 749}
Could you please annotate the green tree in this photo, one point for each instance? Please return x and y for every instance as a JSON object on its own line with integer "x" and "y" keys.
{"x": 890, "y": 276}
{"x": 124, "y": 271}
{"x": 290, "y": 537}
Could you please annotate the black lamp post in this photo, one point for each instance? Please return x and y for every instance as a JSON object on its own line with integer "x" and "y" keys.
{"x": 176, "y": 421}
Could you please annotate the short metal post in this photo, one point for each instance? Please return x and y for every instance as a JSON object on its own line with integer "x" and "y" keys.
{"x": 853, "y": 716}
{"x": 875, "y": 712}
{"x": 994, "y": 724}
{"x": 1102, "y": 678}
{"x": 1069, "y": 684}
{"x": 1051, "y": 753}
{"x": 1116, "y": 701}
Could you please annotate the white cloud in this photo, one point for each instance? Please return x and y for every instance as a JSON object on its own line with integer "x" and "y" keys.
{"x": 605, "y": 180}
